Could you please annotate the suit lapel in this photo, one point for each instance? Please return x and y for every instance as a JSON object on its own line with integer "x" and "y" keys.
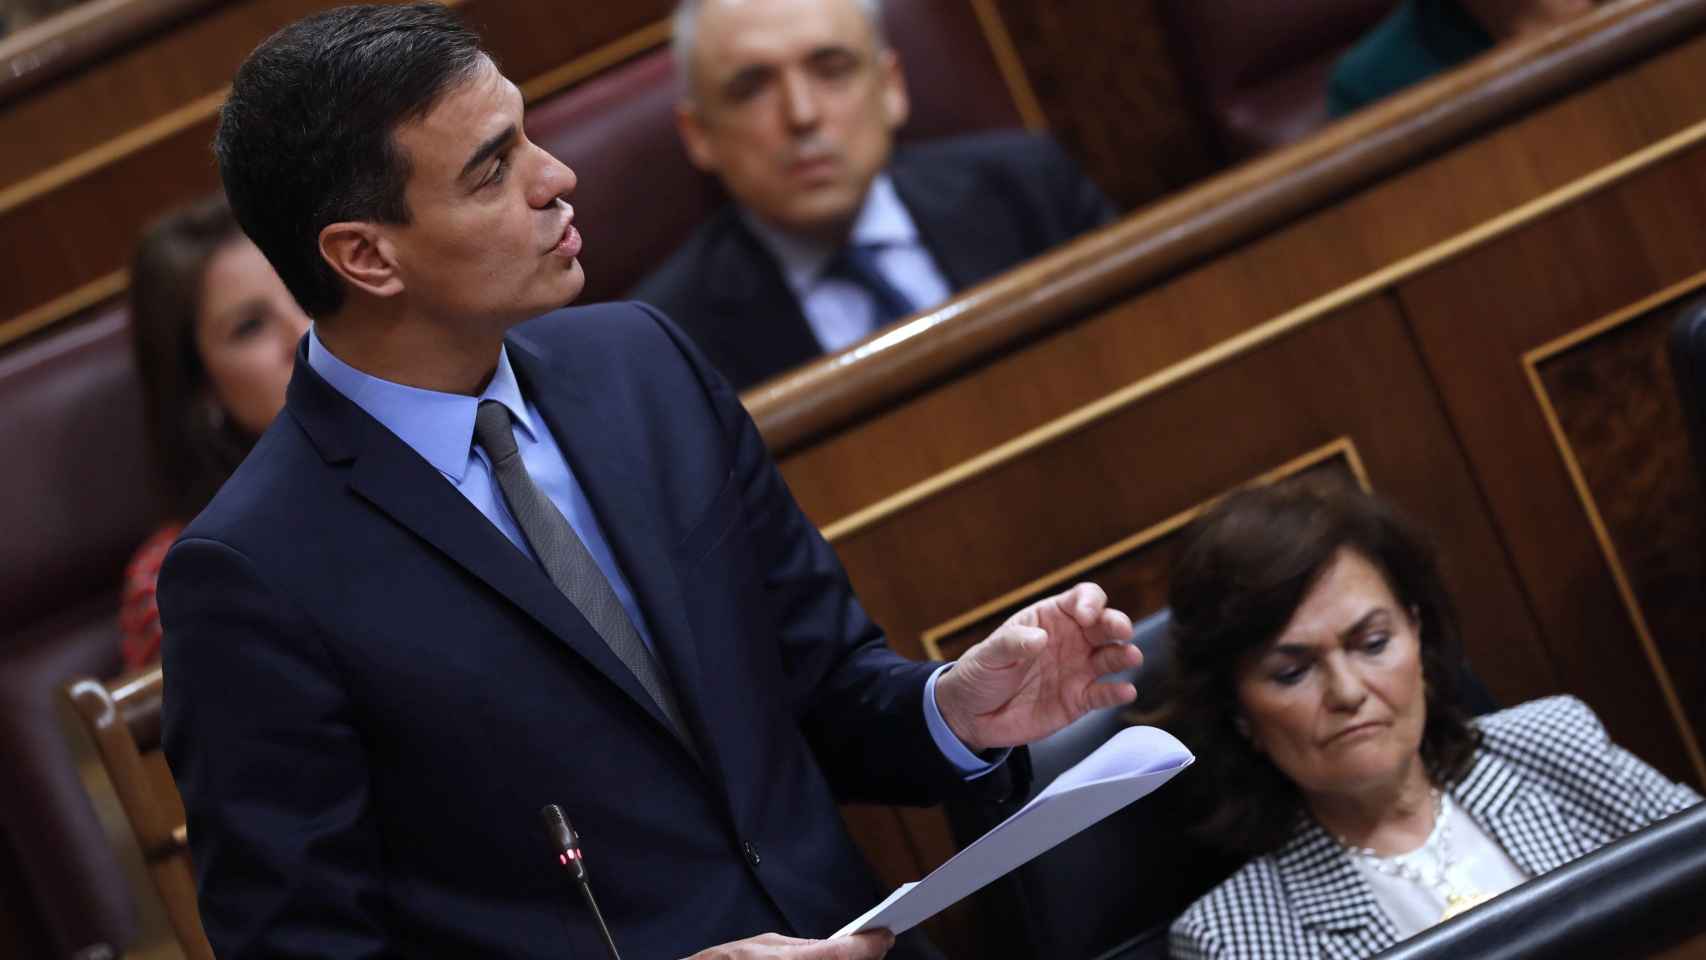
{"x": 968, "y": 243}
{"x": 401, "y": 484}
{"x": 618, "y": 486}
{"x": 1524, "y": 820}
{"x": 758, "y": 323}
{"x": 1330, "y": 898}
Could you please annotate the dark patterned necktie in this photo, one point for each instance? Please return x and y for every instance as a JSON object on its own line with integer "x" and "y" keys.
{"x": 568, "y": 562}
{"x": 857, "y": 264}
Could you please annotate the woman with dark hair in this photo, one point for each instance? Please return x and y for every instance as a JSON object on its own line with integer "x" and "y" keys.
{"x": 214, "y": 333}
{"x": 1317, "y": 659}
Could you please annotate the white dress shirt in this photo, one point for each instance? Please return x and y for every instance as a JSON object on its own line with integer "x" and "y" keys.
{"x": 839, "y": 311}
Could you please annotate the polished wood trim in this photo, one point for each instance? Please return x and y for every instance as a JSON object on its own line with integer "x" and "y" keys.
{"x": 59, "y": 308}
{"x": 130, "y": 142}
{"x": 1531, "y": 361}
{"x": 931, "y": 639}
{"x": 1604, "y": 325}
{"x": 1259, "y": 334}
{"x": 112, "y": 717}
{"x": 561, "y": 78}
{"x": 1180, "y": 232}
{"x": 78, "y": 35}
{"x": 1000, "y": 41}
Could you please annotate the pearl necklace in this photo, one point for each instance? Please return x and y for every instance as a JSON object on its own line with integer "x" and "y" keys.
{"x": 1436, "y": 848}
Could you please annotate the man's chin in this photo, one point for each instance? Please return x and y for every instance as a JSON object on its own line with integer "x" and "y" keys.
{"x": 569, "y": 287}
{"x": 830, "y": 217}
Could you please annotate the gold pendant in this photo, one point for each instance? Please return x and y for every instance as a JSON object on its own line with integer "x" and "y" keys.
{"x": 1456, "y": 903}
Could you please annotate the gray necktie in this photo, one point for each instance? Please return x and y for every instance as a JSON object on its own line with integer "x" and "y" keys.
{"x": 568, "y": 562}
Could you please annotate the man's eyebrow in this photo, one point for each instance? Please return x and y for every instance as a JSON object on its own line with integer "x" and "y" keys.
{"x": 488, "y": 150}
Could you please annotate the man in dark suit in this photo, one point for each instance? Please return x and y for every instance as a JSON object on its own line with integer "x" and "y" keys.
{"x": 832, "y": 233}
{"x": 484, "y": 562}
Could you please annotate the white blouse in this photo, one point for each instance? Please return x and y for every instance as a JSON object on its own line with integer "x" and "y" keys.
{"x": 1416, "y": 893}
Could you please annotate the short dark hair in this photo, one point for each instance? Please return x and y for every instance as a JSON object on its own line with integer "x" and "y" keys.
{"x": 307, "y": 136}
{"x": 1243, "y": 569}
{"x": 194, "y": 449}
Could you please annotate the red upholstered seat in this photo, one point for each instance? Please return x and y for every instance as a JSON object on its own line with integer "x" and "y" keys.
{"x": 1260, "y": 68}
{"x": 75, "y": 499}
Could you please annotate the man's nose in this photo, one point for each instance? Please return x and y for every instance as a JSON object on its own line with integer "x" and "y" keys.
{"x": 555, "y": 180}
{"x": 799, "y": 101}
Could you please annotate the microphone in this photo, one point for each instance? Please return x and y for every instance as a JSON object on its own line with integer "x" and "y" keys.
{"x": 566, "y": 844}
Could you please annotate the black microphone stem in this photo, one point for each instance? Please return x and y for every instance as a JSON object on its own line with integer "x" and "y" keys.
{"x": 609, "y": 942}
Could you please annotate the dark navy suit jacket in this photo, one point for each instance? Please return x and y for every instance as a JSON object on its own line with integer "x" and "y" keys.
{"x": 982, "y": 204}
{"x": 370, "y": 692}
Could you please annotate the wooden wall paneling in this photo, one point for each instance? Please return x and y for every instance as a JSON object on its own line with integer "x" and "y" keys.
{"x": 1296, "y": 271}
{"x": 531, "y": 39}
{"x": 1477, "y": 318}
{"x": 1137, "y": 567}
{"x": 154, "y": 76}
{"x": 1107, "y": 82}
{"x": 1611, "y": 401}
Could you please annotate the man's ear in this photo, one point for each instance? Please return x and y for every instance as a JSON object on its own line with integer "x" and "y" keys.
{"x": 361, "y": 254}
{"x": 896, "y": 104}
{"x": 691, "y": 127}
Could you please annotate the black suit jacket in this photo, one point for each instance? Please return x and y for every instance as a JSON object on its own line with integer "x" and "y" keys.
{"x": 370, "y": 692}
{"x": 982, "y": 204}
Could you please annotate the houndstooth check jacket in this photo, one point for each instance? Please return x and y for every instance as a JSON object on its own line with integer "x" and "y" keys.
{"x": 1547, "y": 784}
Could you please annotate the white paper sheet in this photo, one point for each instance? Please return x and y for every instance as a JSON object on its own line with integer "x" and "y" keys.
{"x": 1132, "y": 764}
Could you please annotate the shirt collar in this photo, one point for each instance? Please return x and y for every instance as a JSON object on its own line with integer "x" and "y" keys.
{"x": 882, "y": 221}
{"x": 438, "y": 426}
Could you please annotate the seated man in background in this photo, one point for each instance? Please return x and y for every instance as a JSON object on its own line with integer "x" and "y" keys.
{"x": 832, "y": 233}
{"x": 1425, "y": 37}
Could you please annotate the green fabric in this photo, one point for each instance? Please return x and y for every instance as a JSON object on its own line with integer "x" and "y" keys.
{"x": 1420, "y": 38}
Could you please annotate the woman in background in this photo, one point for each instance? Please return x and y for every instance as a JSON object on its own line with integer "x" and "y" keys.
{"x": 1317, "y": 663}
{"x": 214, "y": 332}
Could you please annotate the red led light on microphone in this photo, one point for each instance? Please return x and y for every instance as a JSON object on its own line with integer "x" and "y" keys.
{"x": 564, "y": 858}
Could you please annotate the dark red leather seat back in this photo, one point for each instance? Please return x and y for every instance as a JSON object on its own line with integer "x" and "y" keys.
{"x": 639, "y": 198}
{"x": 76, "y": 497}
{"x": 1260, "y": 67}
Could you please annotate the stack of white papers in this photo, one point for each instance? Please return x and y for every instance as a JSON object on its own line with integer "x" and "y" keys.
{"x": 1132, "y": 764}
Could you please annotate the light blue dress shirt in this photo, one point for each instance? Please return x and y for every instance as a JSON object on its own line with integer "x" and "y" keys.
{"x": 440, "y": 427}
{"x": 839, "y": 311}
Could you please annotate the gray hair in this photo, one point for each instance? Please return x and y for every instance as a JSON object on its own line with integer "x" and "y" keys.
{"x": 684, "y": 31}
